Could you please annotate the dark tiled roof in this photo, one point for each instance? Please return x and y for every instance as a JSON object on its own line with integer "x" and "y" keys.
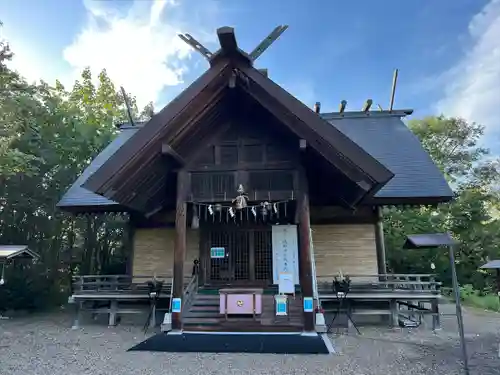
{"x": 382, "y": 135}
{"x": 76, "y": 196}
{"x": 391, "y": 142}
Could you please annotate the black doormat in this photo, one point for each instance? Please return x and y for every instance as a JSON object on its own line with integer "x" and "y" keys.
{"x": 234, "y": 343}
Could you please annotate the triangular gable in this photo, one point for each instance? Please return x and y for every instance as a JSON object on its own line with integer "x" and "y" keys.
{"x": 10, "y": 252}
{"x": 136, "y": 174}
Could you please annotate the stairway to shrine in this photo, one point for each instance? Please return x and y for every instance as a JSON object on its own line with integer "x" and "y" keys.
{"x": 203, "y": 315}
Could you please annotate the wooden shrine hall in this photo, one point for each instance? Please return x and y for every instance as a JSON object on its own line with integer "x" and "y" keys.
{"x": 246, "y": 203}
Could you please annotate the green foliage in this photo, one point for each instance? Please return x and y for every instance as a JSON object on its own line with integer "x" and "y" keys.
{"x": 48, "y": 135}
{"x": 471, "y": 297}
{"x": 471, "y": 217}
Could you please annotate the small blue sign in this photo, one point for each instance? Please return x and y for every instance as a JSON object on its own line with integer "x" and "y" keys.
{"x": 308, "y": 304}
{"x": 217, "y": 252}
{"x": 281, "y": 305}
{"x": 176, "y": 305}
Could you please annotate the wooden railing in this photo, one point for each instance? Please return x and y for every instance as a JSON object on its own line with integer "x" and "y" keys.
{"x": 389, "y": 283}
{"x": 119, "y": 284}
{"x": 189, "y": 292}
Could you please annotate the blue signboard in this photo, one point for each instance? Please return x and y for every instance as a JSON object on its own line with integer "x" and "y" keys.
{"x": 281, "y": 305}
{"x": 217, "y": 252}
{"x": 176, "y": 305}
{"x": 308, "y": 304}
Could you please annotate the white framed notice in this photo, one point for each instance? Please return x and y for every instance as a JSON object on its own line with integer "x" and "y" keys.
{"x": 286, "y": 284}
{"x": 285, "y": 252}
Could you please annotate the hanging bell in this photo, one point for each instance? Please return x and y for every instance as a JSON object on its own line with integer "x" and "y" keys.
{"x": 218, "y": 207}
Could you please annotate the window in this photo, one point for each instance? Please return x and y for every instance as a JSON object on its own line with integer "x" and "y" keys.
{"x": 205, "y": 185}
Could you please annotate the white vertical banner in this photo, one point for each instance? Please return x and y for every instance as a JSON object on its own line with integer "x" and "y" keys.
{"x": 285, "y": 252}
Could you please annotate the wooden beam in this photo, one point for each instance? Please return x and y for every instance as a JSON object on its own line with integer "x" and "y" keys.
{"x": 305, "y": 262}
{"x": 179, "y": 245}
{"x": 367, "y": 105}
{"x": 166, "y": 149}
{"x": 130, "y": 228}
{"x": 118, "y": 167}
{"x": 270, "y": 39}
{"x": 379, "y": 241}
{"x": 227, "y": 40}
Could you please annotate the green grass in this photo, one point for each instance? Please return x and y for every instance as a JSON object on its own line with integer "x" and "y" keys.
{"x": 471, "y": 297}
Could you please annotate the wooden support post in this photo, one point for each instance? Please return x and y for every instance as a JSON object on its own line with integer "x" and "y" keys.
{"x": 130, "y": 230}
{"x": 152, "y": 322}
{"x": 305, "y": 267}
{"x": 113, "y": 312}
{"x": 379, "y": 241}
{"x": 78, "y": 314}
{"x": 436, "y": 319}
{"x": 180, "y": 244}
{"x": 394, "y": 313}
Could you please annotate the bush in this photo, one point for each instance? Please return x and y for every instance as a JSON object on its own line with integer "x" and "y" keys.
{"x": 31, "y": 288}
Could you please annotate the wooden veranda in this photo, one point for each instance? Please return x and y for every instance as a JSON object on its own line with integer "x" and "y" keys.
{"x": 401, "y": 297}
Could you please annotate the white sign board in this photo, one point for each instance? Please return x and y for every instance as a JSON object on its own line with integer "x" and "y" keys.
{"x": 285, "y": 252}
{"x": 286, "y": 283}
{"x": 281, "y": 305}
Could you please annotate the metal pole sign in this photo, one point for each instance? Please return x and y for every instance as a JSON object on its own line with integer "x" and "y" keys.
{"x": 458, "y": 306}
{"x": 436, "y": 241}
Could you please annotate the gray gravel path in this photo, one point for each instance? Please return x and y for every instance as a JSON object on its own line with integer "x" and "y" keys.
{"x": 45, "y": 345}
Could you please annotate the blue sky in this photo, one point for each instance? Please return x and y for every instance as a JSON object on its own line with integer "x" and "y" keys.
{"x": 448, "y": 52}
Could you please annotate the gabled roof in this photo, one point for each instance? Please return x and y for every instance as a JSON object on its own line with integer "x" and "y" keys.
{"x": 417, "y": 180}
{"x": 9, "y": 252}
{"x": 78, "y": 198}
{"x": 136, "y": 175}
{"x": 387, "y": 138}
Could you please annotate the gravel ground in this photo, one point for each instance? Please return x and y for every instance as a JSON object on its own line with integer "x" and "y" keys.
{"x": 46, "y": 345}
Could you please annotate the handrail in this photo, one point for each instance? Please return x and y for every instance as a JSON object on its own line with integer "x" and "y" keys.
{"x": 118, "y": 283}
{"x": 190, "y": 291}
{"x": 391, "y": 283}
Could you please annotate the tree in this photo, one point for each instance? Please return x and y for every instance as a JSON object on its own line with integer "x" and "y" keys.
{"x": 48, "y": 136}
{"x": 453, "y": 145}
{"x": 15, "y": 97}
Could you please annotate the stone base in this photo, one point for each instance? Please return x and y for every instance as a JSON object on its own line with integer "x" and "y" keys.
{"x": 167, "y": 323}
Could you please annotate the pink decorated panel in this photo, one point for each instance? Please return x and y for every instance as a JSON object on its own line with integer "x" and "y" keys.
{"x": 240, "y": 303}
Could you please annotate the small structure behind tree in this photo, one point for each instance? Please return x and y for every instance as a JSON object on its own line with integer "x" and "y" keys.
{"x": 10, "y": 253}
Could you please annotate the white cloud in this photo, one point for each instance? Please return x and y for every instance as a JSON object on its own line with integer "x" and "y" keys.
{"x": 472, "y": 86}
{"x": 140, "y": 49}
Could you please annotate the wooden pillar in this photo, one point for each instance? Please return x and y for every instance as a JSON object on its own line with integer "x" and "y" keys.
{"x": 379, "y": 241}
{"x": 130, "y": 233}
{"x": 305, "y": 267}
{"x": 179, "y": 244}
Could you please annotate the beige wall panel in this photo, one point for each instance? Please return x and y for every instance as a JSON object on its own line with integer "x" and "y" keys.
{"x": 154, "y": 251}
{"x": 346, "y": 247}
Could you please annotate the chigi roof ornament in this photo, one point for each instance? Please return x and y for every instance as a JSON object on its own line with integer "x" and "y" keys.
{"x": 227, "y": 39}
